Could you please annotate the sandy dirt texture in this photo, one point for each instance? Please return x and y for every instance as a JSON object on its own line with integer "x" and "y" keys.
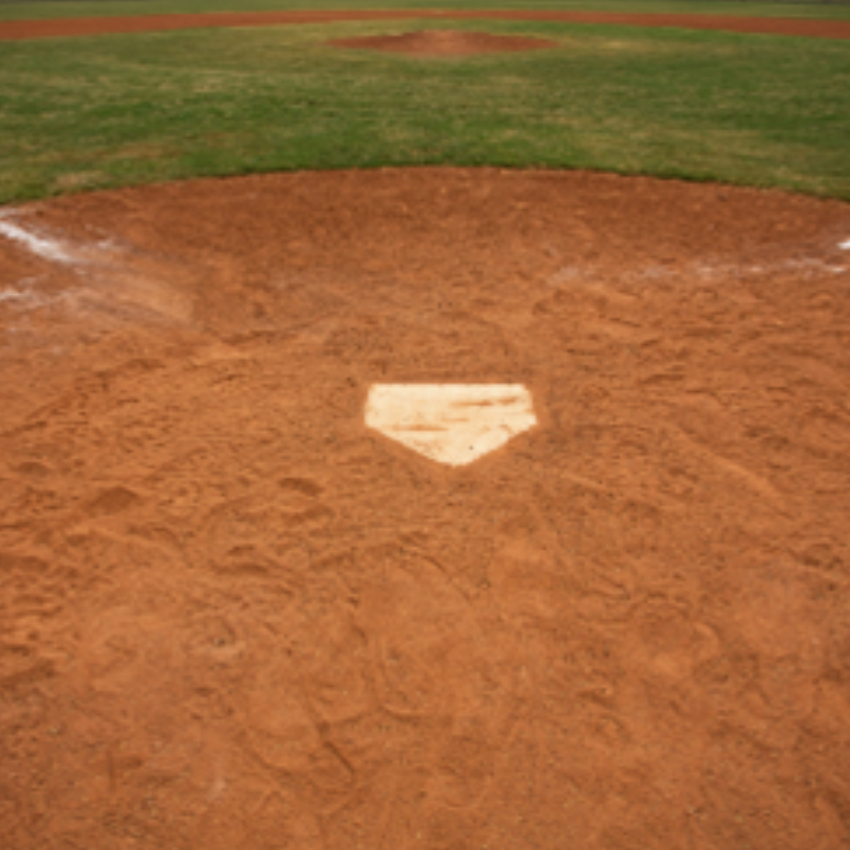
{"x": 65, "y": 27}
{"x": 234, "y": 617}
{"x": 444, "y": 43}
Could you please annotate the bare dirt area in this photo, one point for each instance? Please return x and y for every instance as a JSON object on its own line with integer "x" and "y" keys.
{"x": 233, "y": 616}
{"x": 10, "y": 30}
{"x": 446, "y": 43}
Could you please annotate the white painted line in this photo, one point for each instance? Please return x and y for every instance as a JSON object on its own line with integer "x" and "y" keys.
{"x": 46, "y": 248}
{"x": 453, "y": 424}
{"x": 845, "y": 245}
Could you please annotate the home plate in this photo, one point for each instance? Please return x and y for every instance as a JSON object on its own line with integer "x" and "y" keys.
{"x": 450, "y": 423}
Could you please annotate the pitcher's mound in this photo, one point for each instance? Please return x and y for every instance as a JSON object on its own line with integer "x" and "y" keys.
{"x": 444, "y": 43}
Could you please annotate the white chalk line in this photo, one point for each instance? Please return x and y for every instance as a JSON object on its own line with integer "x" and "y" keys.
{"x": 48, "y": 249}
{"x": 576, "y": 276}
{"x": 15, "y": 295}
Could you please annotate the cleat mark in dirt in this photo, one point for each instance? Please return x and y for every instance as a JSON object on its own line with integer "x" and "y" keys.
{"x": 114, "y": 500}
{"x": 760, "y": 484}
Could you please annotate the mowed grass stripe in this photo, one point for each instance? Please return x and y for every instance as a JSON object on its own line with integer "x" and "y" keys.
{"x": 116, "y": 110}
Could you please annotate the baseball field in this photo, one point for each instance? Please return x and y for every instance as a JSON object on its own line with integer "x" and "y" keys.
{"x": 424, "y": 426}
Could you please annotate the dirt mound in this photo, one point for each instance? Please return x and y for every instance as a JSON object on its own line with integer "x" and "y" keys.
{"x": 445, "y": 43}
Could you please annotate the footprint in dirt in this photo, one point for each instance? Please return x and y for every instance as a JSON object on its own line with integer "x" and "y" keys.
{"x": 257, "y": 535}
{"x": 431, "y": 663}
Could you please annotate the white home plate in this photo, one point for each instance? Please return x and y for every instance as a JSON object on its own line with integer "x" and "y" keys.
{"x": 450, "y": 423}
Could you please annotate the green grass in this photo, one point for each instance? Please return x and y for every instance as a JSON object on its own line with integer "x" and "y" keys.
{"x": 838, "y": 9}
{"x": 115, "y": 110}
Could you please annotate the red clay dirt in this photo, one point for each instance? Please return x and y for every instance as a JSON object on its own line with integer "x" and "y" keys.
{"x": 231, "y": 616}
{"x": 731, "y": 23}
{"x": 444, "y": 43}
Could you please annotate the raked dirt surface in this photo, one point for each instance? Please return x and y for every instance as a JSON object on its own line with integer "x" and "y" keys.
{"x": 234, "y": 617}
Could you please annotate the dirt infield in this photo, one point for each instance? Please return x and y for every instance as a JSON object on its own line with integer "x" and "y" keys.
{"x": 729, "y": 23}
{"x": 232, "y": 616}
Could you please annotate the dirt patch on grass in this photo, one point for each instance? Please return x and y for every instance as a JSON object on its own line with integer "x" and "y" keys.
{"x": 444, "y": 43}
{"x": 233, "y": 616}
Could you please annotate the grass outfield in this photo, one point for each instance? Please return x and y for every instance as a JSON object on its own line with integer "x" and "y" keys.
{"x": 45, "y": 9}
{"x": 85, "y": 113}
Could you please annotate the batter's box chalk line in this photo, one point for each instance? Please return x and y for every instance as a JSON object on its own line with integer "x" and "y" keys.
{"x": 48, "y": 249}
{"x": 454, "y": 424}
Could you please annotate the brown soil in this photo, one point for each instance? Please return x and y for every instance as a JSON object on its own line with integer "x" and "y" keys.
{"x": 730, "y": 23}
{"x": 444, "y": 43}
{"x": 233, "y": 617}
